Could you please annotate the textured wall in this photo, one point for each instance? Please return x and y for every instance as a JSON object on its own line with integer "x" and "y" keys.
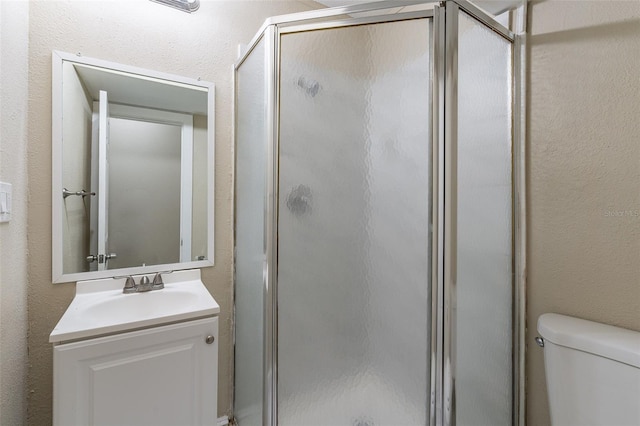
{"x": 14, "y": 49}
{"x": 144, "y": 34}
{"x": 583, "y": 170}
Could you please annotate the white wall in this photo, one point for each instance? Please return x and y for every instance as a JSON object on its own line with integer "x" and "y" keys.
{"x": 14, "y": 49}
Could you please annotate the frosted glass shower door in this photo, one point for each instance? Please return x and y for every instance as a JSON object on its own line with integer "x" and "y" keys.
{"x": 353, "y": 289}
{"x": 483, "y": 297}
{"x": 251, "y": 159}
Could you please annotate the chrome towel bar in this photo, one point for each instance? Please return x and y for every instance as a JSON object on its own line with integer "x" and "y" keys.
{"x": 83, "y": 193}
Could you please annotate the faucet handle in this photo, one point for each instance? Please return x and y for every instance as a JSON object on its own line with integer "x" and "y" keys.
{"x": 157, "y": 281}
{"x": 129, "y": 285}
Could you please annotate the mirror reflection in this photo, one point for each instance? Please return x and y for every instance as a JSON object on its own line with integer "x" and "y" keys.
{"x": 133, "y": 189}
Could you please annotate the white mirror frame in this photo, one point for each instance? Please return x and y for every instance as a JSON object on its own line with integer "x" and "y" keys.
{"x": 58, "y": 276}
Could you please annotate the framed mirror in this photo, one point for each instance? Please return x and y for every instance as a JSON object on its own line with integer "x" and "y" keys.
{"x": 133, "y": 178}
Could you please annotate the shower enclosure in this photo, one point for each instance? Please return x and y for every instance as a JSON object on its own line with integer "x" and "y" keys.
{"x": 378, "y": 231}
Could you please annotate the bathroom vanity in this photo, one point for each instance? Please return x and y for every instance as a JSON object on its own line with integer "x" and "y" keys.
{"x": 149, "y": 358}
{"x": 137, "y": 346}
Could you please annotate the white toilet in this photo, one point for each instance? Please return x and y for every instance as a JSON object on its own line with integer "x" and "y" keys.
{"x": 592, "y": 371}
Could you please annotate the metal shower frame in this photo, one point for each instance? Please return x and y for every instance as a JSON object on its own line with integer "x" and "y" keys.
{"x": 444, "y": 181}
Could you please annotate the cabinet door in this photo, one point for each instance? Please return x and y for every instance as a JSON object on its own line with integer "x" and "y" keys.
{"x": 160, "y": 376}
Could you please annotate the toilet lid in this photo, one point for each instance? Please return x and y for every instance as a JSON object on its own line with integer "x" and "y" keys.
{"x": 616, "y": 343}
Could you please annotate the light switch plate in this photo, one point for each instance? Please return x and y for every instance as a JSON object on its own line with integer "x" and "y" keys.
{"x": 5, "y": 202}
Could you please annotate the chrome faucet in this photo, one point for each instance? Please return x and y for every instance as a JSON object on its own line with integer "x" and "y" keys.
{"x": 130, "y": 285}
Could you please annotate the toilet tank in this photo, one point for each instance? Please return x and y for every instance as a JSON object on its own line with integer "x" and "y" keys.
{"x": 592, "y": 372}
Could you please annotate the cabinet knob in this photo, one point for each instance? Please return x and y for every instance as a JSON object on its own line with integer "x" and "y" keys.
{"x": 210, "y": 339}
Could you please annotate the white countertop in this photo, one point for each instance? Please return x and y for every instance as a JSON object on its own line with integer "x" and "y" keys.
{"x": 100, "y": 307}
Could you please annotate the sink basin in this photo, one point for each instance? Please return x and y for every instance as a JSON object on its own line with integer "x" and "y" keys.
{"x": 129, "y": 307}
{"x": 100, "y": 307}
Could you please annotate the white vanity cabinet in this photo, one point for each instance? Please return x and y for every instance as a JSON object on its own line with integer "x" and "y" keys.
{"x": 165, "y": 375}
